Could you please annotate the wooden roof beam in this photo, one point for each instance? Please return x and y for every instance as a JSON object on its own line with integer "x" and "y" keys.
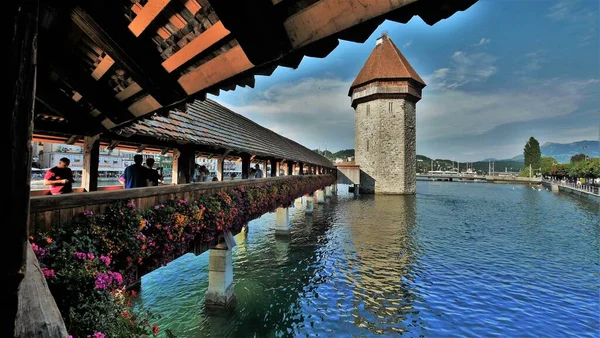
{"x": 212, "y": 35}
{"x": 103, "y": 67}
{"x": 72, "y": 139}
{"x": 257, "y": 26}
{"x": 222, "y": 67}
{"x": 328, "y": 17}
{"x": 112, "y": 145}
{"x": 146, "y": 15}
{"x": 49, "y": 96}
{"x": 138, "y": 57}
{"x": 141, "y": 148}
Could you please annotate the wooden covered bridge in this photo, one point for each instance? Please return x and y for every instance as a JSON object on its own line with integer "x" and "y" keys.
{"x": 129, "y": 73}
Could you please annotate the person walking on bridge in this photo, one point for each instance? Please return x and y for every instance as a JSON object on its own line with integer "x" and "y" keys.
{"x": 60, "y": 178}
{"x": 257, "y": 172}
{"x": 135, "y": 175}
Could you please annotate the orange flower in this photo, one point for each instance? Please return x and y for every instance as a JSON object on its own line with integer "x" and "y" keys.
{"x": 48, "y": 240}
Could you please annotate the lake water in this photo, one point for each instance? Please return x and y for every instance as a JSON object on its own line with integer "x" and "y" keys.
{"x": 456, "y": 260}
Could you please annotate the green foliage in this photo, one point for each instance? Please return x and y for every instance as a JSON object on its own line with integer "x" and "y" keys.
{"x": 546, "y": 164}
{"x": 578, "y": 158}
{"x": 585, "y": 169}
{"x": 532, "y": 153}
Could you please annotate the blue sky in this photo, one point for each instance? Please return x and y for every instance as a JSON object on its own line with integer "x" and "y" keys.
{"x": 496, "y": 74}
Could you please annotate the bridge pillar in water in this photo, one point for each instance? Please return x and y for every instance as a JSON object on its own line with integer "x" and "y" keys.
{"x": 328, "y": 191}
{"x": 356, "y": 189}
{"x": 220, "y": 277}
{"x": 282, "y": 215}
{"x": 320, "y": 196}
{"x": 554, "y": 187}
{"x": 310, "y": 204}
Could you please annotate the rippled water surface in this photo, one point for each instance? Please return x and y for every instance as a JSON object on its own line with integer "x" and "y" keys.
{"x": 456, "y": 260}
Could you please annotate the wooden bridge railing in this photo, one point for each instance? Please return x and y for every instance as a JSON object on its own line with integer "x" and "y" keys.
{"x": 47, "y": 212}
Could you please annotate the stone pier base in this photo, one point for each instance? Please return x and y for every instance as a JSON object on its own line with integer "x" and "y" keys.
{"x": 356, "y": 189}
{"x": 320, "y": 196}
{"x": 555, "y": 188}
{"x": 328, "y": 191}
{"x": 282, "y": 215}
{"x": 220, "y": 277}
{"x": 310, "y": 203}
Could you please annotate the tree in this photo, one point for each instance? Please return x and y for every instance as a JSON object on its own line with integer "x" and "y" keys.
{"x": 578, "y": 157}
{"x": 546, "y": 164}
{"x": 532, "y": 153}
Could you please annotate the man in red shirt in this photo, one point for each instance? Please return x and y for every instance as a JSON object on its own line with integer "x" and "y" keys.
{"x": 60, "y": 177}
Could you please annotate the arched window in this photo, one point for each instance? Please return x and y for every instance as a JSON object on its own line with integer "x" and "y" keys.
{"x": 390, "y": 107}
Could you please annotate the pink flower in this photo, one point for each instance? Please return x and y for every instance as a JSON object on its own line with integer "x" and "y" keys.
{"x": 102, "y": 281}
{"x": 80, "y": 255}
{"x": 48, "y": 273}
{"x": 105, "y": 260}
{"x": 131, "y": 205}
{"x": 90, "y": 255}
{"x": 96, "y": 335}
{"x": 88, "y": 213}
{"x": 38, "y": 250}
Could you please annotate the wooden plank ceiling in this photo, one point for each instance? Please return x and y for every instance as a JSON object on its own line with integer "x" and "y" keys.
{"x": 103, "y": 65}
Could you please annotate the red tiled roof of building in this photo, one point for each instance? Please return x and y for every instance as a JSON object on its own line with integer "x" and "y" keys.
{"x": 385, "y": 62}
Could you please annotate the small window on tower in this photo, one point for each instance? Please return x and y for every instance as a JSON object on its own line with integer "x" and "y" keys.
{"x": 368, "y": 109}
{"x": 390, "y": 107}
{"x": 367, "y": 145}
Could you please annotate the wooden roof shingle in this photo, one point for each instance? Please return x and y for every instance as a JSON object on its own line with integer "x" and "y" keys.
{"x": 207, "y": 123}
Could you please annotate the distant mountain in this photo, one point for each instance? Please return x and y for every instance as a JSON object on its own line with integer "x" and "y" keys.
{"x": 562, "y": 152}
{"x": 343, "y": 154}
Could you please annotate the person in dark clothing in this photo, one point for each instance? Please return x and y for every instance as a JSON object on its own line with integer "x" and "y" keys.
{"x": 153, "y": 175}
{"x": 135, "y": 176}
{"x": 60, "y": 178}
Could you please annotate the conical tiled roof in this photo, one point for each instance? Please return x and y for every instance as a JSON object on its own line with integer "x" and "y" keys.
{"x": 385, "y": 62}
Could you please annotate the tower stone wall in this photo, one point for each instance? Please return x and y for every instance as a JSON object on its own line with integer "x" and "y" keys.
{"x": 385, "y": 146}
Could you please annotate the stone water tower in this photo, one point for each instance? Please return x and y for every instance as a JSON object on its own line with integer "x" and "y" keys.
{"x": 384, "y": 95}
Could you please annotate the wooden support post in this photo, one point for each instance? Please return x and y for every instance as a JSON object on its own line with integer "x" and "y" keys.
{"x": 274, "y": 168}
{"x": 266, "y": 164}
{"x": 300, "y": 168}
{"x": 183, "y": 165}
{"x": 91, "y": 158}
{"x": 278, "y": 168}
{"x": 290, "y": 168}
{"x": 220, "y": 167}
{"x": 18, "y": 119}
{"x": 245, "y": 166}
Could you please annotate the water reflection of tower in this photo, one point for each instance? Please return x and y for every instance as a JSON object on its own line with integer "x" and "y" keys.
{"x": 382, "y": 233}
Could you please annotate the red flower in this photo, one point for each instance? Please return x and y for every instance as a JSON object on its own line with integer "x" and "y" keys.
{"x": 155, "y": 329}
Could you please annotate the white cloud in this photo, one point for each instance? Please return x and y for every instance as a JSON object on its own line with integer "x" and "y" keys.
{"x": 560, "y": 11}
{"x": 465, "y": 68}
{"x": 579, "y": 14}
{"x": 313, "y": 112}
{"x": 483, "y": 41}
{"x": 407, "y": 44}
{"x": 451, "y": 113}
{"x": 531, "y": 62}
